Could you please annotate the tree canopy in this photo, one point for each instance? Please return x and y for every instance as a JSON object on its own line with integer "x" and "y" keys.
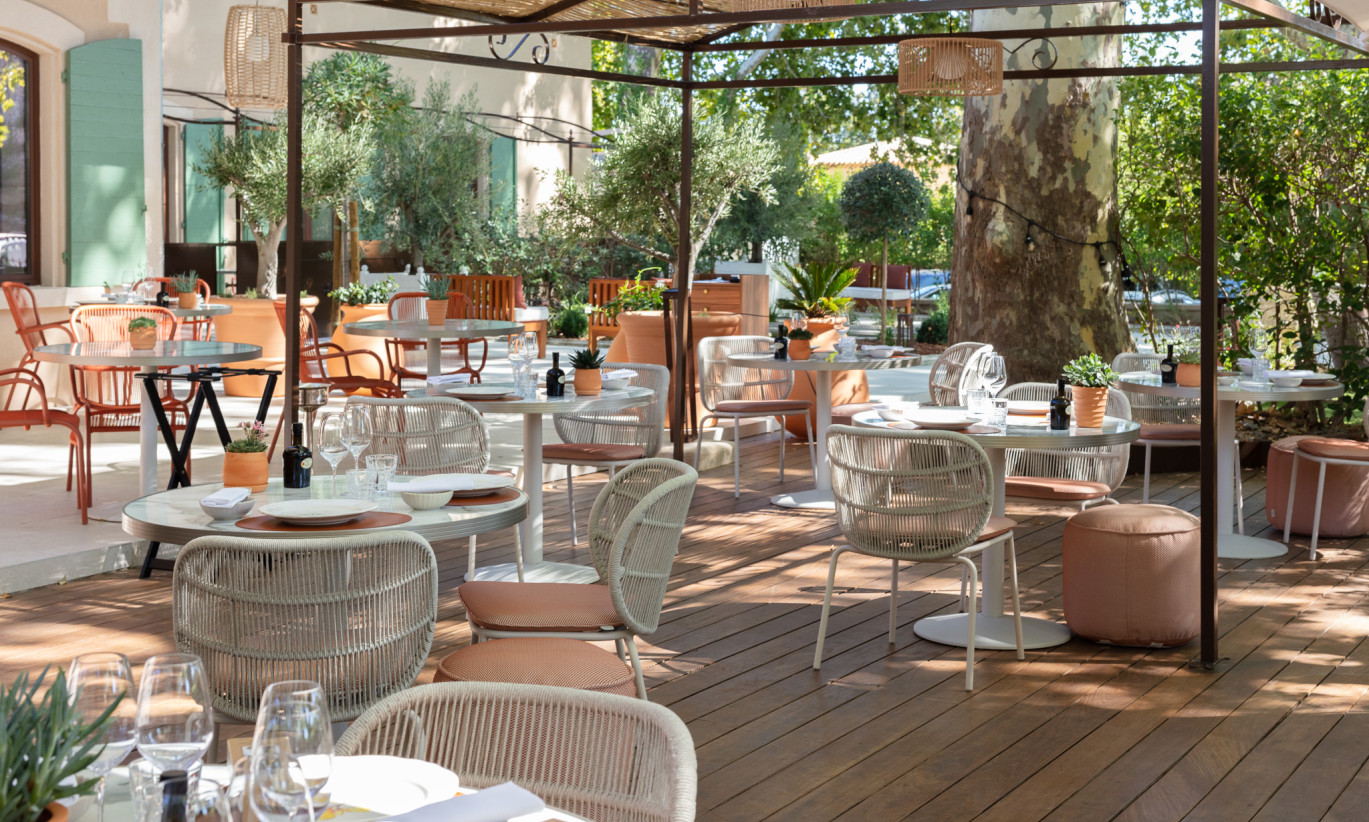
{"x": 882, "y": 202}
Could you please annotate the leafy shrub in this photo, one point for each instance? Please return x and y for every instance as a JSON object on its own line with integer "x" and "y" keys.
{"x": 936, "y": 329}
{"x": 571, "y": 321}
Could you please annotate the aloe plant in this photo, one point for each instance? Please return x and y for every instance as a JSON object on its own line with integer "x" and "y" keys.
{"x": 186, "y": 283}
{"x": 586, "y": 359}
{"x": 437, "y": 287}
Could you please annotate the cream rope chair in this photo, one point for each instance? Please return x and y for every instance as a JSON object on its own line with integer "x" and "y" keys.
{"x": 354, "y": 613}
{"x": 740, "y": 392}
{"x": 600, "y": 756}
{"x": 944, "y": 381}
{"x": 610, "y": 439}
{"x": 434, "y": 435}
{"x": 1075, "y": 476}
{"x": 634, "y": 533}
{"x": 915, "y": 496}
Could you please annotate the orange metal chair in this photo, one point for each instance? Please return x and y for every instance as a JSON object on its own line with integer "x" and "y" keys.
{"x": 315, "y": 357}
{"x": 46, "y": 417}
{"x": 412, "y": 306}
{"x": 31, "y": 330}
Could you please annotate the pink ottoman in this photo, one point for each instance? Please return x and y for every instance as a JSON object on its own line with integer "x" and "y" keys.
{"x": 1345, "y": 500}
{"x": 1131, "y": 575}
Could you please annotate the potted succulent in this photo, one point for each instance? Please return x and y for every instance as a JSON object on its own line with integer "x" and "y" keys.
{"x": 46, "y": 745}
{"x": 1090, "y": 377}
{"x": 588, "y": 377}
{"x": 1190, "y": 371}
{"x": 142, "y": 333}
{"x": 187, "y": 289}
{"x": 244, "y": 459}
{"x": 438, "y": 289}
{"x": 800, "y": 344}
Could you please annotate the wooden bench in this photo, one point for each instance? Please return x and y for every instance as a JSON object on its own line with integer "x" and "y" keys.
{"x": 602, "y": 291}
{"x": 491, "y": 297}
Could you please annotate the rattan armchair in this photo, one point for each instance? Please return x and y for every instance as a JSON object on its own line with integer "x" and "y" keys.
{"x": 1076, "y": 476}
{"x": 354, "y": 613}
{"x": 945, "y": 381}
{"x": 610, "y": 439}
{"x": 915, "y": 496}
{"x": 600, "y": 756}
{"x": 634, "y": 533}
{"x": 739, "y": 392}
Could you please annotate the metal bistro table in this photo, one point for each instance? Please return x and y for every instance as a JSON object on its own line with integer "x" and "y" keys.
{"x": 1231, "y": 545}
{"x": 994, "y": 629}
{"x": 196, "y": 313}
{"x": 532, "y": 409}
{"x": 433, "y": 335}
{"x": 822, "y": 364}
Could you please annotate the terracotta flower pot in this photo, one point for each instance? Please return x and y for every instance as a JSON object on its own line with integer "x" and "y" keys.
{"x": 187, "y": 299}
{"x": 1189, "y": 374}
{"x": 588, "y": 381}
{"x": 437, "y": 312}
{"x": 53, "y": 812}
{"x": 1089, "y": 405}
{"x": 254, "y": 321}
{"x": 362, "y": 366}
{"x": 800, "y": 349}
{"x": 245, "y": 470}
{"x": 143, "y": 339}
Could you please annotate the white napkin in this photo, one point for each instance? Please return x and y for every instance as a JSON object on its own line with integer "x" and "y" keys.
{"x": 449, "y": 379}
{"x": 495, "y": 804}
{"x": 226, "y": 497}
{"x": 620, "y": 374}
{"x": 434, "y": 483}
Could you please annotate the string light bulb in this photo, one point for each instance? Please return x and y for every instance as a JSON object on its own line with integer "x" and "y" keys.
{"x": 1031, "y": 241}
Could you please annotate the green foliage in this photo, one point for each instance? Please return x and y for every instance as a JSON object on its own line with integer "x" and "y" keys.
{"x": 572, "y": 319}
{"x": 352, "y": 89}
{"x": 438, "y": 287}
{"x": 786, "y": 221}
{"x": 799, "y": 334}
{"x": 1089, "y": 371}
{"x": 12, "y": 78}
{"x": 45, "y": 743}
{"x": 883, "y": 202}
{"x": 354, "y": 294}
{"x": 250, "y": 294}
{"x": 816, "y": 288}
{"x": 139, "y": 323}
{"x": 637, "y": 295}
{"x": 584, "y": 358}
{"x": 936, "y": 329}
{"x": 252, "y": 441}
{"x": 186, "y": 283}
{"x": 554, "y": 266}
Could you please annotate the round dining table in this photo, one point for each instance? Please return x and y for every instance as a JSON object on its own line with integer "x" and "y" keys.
{"x": 432, "y": 335}
{"x": 535, "y": 569}
{"x": 1231, "y": 545}
{"x": 198, "y": 312}
{"x": 163, "y": 354}
{"x": 823, "y": 365}
{"x": 993, "y": 628}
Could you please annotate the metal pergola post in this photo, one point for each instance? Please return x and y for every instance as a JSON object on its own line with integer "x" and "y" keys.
{"x": 1208, "y": 212}
{"x": 294, "y": 239}
{"x": 685, "y": 262}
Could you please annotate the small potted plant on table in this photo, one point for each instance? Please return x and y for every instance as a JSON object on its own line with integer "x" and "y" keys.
{"x": 1090, "y": 378}
{"x": 438, "y": 290}
{"x": 588, "y": 377}
{"x": 187, "y": 289}
{"x": 800, "y": 344}
{"x": 142, "y": 333}
{"x": 1190, "y": 371}
{"x": 244, "y": 459}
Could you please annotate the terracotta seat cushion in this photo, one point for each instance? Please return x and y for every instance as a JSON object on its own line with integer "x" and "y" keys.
{"x": 761, "y": 406}
{"x": 997, "y": 527}
{"x": 564, "y": 663}
{"x": 1345, "y": 497}
{"x": 1335, "y": 449}
{"x": 552, "y": 607}
{"x": 1174, "y": 431}
{"x": 592, "y": 452}
{"x": 1050, "y": 488}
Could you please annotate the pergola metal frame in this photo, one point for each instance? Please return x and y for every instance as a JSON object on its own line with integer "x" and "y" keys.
{"x": 636, "y": 30}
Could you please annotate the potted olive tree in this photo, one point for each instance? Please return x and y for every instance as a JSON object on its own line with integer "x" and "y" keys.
{"x": 1089, "y": 378}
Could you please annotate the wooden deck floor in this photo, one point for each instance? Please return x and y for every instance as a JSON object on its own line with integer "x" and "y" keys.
{"x": 1077, "y": 732}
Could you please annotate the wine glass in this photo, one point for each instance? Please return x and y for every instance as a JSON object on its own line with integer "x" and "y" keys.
{"x": 995, "y": 374}
{"x": 101, "y": 683}
{"x": 357, "y": 431}
{"x": 292, "y": 750}
{"x": 330, "y": 442}
{"x": 174, "y": 716}
{"x": 518, "y": 356}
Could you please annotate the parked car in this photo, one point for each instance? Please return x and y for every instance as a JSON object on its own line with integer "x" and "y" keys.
{"x": 1164, "y": 296}
{"x": 932, "y": 292}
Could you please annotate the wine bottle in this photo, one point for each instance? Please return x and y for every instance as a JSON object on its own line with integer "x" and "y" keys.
{"x": 1169, "y": 374}
{"x": 781, "y": 344}
{"x": 1060, "y": 408}
{"x": 556, "y": 378}
{"x": 163, "y": 298}
{"x": 175, "y": 785}
{"x": 299, "y": 461}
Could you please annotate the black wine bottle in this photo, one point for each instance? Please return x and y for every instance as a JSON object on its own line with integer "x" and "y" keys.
{"x": 299, "y": 461}
{"x": 556, "y": 378}
{"x": 1060, "y": 408}
{"x": 175, "y": 786}
{"x": 1169, "y": 374}
{"x": 163, "y": 298}
{"x": 782, "y": 343}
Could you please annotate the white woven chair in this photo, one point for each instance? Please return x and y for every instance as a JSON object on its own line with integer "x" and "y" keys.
{"x": 739, "y": 392}
{"x": 354, "y": 613}
{"x": 610, "y": 439}
{"x": 1076, "y": 476}
{"x": 600, "y": 756}
{"x": 434, "y": 435}
{"x": 634, "y": 533}
{"x": 915, "y": 496}
{"x": 945, "y": 380}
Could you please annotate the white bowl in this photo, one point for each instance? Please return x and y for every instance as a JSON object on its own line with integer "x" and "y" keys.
{"x": 1287, "y": 379}
{"x": 878, "y": 352}
{"x": 238, "y": 511}
{"x": 615, "y": 385}
{"x": 425, "y": 501}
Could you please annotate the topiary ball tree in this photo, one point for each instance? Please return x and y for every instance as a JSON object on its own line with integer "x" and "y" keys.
{"x": 880, "y": 203}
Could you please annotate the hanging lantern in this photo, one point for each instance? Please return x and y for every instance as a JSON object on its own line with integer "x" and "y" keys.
{"x": 950, "y": 67}
{"x": 254, "y": 57}
{"x": 791, "y": 5}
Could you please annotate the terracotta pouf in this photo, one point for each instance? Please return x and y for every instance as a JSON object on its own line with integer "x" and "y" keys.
{"x": 1345, "y": 499}
{"x": 565, "y": 663}
{"x": 1131, "y": 575}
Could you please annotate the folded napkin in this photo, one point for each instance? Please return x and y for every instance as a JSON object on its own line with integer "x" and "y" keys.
{"x": 495, "y": 804}
{"x": 620, "y": 374}
{"x": 449, "y": 379}
{"x": 435, "y": 483}
{"x": 226, "y": 497}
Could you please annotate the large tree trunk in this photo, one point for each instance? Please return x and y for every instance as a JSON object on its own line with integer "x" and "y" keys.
{"x": 1049, "y": 150}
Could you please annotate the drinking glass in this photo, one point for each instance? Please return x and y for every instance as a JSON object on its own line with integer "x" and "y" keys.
{"x": 518, "y": 355}
{"x": 359, "y": 484}
{"x": 175, "y": 718}
{"x": 98, "y": 683}
{"x": 330, "y": 443}
{"x": 208, "y": 802}
{"x": 357, "y": 431}
{"x": 977, "y": 402}
{"x": 380, "y": 469}
{"x": 292, "y": 751}
{"x": 145, "y": 789}
{"x": 995, "y": 374}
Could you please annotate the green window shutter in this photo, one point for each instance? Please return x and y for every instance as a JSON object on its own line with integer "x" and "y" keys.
{"x": 503, "y": 174}
{"x": 106, "y": 197}
{"x": 203, "y": 207}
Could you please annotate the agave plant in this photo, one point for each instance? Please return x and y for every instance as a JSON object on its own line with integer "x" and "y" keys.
{"x": 815, "y": 288}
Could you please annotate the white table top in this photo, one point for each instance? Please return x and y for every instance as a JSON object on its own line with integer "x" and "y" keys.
{"x": 175, "y": 516}
{"x": 1035, "y": 432}
{"x": 421, "y": 330}
{"x": 1143, "y": 382}
{"x": 825, "y": 362}
{"x": 170, "y": 352}
{"x": 206, "y": 310}
{"x": 631, "y": 397}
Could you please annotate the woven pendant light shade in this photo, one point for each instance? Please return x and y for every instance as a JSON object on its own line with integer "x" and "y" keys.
{"x": 950, "y": 67}
{"x": 254, "y": 57}
{"x": 790, "y": 5}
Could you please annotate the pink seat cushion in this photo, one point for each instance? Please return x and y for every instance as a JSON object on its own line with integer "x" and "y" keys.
{"x": 1175, "y": 431}
{"x": 997, "y": 527}
{"x": 592, "y": 453}
{"x": 761, "y": 406}
{"x": 844, "y": 414}
{"x": 564, "y": 663}
{"x": 1345, "y": 498}
{"x": 550, "y": 607}
{"x": 1335, "y": 449}
{"x": 1050, "y": 488}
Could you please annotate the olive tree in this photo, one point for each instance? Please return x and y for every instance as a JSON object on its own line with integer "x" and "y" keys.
{"x": 881, "y": 203}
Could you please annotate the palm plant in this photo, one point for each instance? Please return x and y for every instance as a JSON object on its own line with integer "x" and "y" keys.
{"x": 815, "y": 289}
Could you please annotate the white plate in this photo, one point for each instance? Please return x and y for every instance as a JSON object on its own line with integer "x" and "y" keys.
{"x": 317, "y": 511}
{"x": 1318, "y": 377}
{"x": 946, "y": 420}
{"x": 388, "y": 785}
{"x": 479, "y": 392}
{"x": 484, "y": 484}
{"x": 1029, "y": 408}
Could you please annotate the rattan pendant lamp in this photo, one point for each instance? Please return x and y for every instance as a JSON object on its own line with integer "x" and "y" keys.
{"x": 254, "y": 57}
{"x": 950, "y": 67}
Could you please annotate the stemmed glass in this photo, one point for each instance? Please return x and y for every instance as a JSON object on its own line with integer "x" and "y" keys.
{"x": 101, "y": 683}
{"x": 995, "y": 374}
{"x": 357, "y": 431}
{"x": 518, "y": 357}
{"x": 174, "y": 717}
{"x": 330, "y": 442}
{"x": 292, "y": 751}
